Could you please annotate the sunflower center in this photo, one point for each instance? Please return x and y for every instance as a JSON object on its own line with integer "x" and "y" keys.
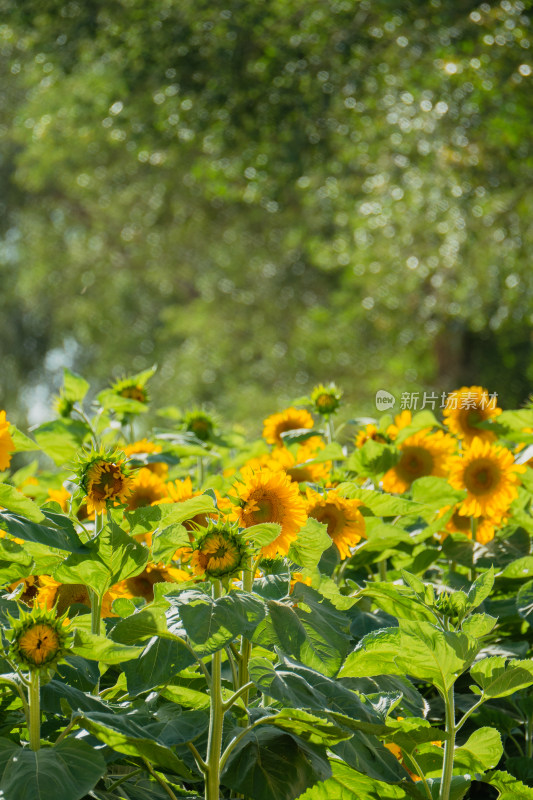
{"x": 481, "y": 477}
{"x": 39, "y": 643}
{"x": 330, "y": 516}
{"x": 416, "y": 462}
{"x": 460, "y": 522}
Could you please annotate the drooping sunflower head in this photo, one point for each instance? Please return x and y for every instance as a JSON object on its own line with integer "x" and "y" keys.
{"x": 483, "y": 527}
{"x": 131, "y": 389}
{"x": 326, "y": 399}
{"x": 345, "y": 523}
{"x": 490, "y": 477}
{"x": 104, "y": 478}
{"x": 201, "y": 424}
{"x": 6, "y": 442}
{"x": 369, "y": 431}
{"x": 289, "y": 420}
{"x": 219, "y": 552}
{"x": 267, "y": 495}
{"x": 466, "y": 408}
{"x": 38, "y": 639}
{"x": 421, "y": 454}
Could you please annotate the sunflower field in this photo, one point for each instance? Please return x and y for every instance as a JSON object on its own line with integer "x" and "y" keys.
{"x": 339, "y": 610}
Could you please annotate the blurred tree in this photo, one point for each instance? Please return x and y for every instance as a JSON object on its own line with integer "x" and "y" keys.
{"x": 260, "y": 195}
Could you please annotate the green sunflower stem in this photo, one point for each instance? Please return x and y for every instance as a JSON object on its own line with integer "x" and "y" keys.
{"x": 449, "y": 746}
{"x": 382, "y": 567}
{"x": 330, "y": 429}
{"x": 216, "y": 720}
{"x": 200, "y": 471}
{"x": 96, "y": 610}
{"x": 246, "y": 645}
{"x": 34, "y": 702}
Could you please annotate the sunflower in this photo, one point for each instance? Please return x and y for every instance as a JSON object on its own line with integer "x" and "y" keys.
{"x": 490, "y": 477}
{"x": 38, "y": 639}
{"x": 146, "y": 488}
{"x": 370, "y": 431}
{"x": 465, "y": 409}
{"x": 459, "y": 523}
{"x": 131, "y": 389}
{"x": 199, "y": 423}
{"x": 421, "y": 454}
{"x": 218, "y": 553}
{"x": 104, "y": 479}
{"x": 346, "y": 524}
{"x": 142, "y": 585}
{"x": 326, "y": 399}
{"x": 61, "y": 596}
{"x": 61, "y": 497}
{"x": 6, "y": 442}
{"x": 289, "y": 420}
{"x": 145, "y": 447}
{"x": 401, "y": 421}
{"x": 269, "y": 495}
{"x": 177, "y": 492}
{"x": 300, "y": 466}
{"x": 29, "y": 592}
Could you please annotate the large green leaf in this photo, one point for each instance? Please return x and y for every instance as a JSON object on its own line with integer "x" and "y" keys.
{"x": 57, "y": 532}
{"x": 380, "y": 503}
{"x": 125, "y": 734}
{"x": 519, "y": 569}
{"x": 314, "y": 632}
{"x": 61, "y": 439}
{"x": 399, "y": 601}
{"x": 310, "y": 727}
{"x": 166, "y": 542}
{"x": 113, "y": 556}
{"x": 152, "y": 518}
{"x": 524, "y": 602}
{"x": 74, "y": 386}
{"x": 270, "y": 765}
{"x": 508, "y": 786}
{"x": 100, "y": 648}
{"x": 160, "y": 660}
{"x": 263, "y": 534}
{"x": 415, "y": 648}
{"x": 144, "y": 624}
{"x": 65, "y": 772}
{"x": 212, "y": 624}
{"x": 436, "y": 492}
{"x": 499, "y": 678}
{"x": 347, "y": 784}
{"x": 16, "y": 502}
{"x": 311, "y": 542}
{"x": 482, "y": 751}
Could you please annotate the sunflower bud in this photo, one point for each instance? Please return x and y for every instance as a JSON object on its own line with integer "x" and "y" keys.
{"x": 39, "y": 639}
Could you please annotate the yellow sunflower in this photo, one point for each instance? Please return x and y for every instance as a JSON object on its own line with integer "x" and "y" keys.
{"x": 38, "y": 639}
{"x": 289, "y": 420}
{"x": 30, "y": 589}
{"x": 326, "y": 399}
{"x": 465, "y": 409}
{"x": 142, "y": 585}
{"x": 370, "y": 431}
{"x": 143, "y": 446}
{"x": 61, "y": 497}
{"x": 460, "y": 523}
{"x": 490, "y": 477}
{"x": 52, "y": 594}
{"x": 106, "y": 481}
{"x": 300, "y": 466}
{"x": 146, "y": 489}
{"x": 6, "y": 442}
{"x": 218, "y": 553}
{"x": 421, "y": 454}
{"x": 270, "y": 496}
{"x": 401, "y": 421}
{"x": 346, "y": 524}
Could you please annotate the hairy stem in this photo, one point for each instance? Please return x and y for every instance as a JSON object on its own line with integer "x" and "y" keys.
{"x": 216, "y": 720}
{"x": 449, "y": 746}
{"x": 34, "y": 702}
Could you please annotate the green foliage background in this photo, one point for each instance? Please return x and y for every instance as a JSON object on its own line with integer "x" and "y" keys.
{"x": 261, "y": 195}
